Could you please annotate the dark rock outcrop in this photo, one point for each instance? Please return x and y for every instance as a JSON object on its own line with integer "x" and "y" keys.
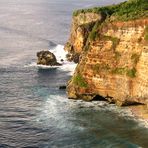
{"x": 47, "y": 58}
{"x": 73, "y": 57}
{"x": 62, "y": 87}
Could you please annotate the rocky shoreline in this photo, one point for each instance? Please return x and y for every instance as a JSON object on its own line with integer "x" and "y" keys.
{"x": 139, "y": 112}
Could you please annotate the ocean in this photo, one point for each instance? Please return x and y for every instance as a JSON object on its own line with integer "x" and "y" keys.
{"x": 34, "y": 113}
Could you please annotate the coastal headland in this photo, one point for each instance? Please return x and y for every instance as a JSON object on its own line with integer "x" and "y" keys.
{"x": 111, "y": 47}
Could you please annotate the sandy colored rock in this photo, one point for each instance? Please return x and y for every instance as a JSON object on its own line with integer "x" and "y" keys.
{"x": 81, "y": 25}
{"x": 114, "y": 64}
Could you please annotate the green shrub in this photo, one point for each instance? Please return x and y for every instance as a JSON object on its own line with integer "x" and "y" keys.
{"x": 79, "y": 81}
{"x": 131, "y": 72}
{"x": 93, "y": 35}
{"x": 132, "y": 9}
{"x": 122, "y": 71}
{"x": 115, "y": 40}
{"x": 95, "y": 31}
{"x": 119, "y": 70}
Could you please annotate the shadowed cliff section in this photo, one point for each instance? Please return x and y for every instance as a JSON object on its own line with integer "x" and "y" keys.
{"x": 111, "y": 47}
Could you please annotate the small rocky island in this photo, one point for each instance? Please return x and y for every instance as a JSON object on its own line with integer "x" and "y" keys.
{"x": 47, "y": 58}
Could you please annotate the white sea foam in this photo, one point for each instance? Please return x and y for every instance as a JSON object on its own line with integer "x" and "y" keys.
{"x": 34, "y": 64}
{"x": 60, "y": 54}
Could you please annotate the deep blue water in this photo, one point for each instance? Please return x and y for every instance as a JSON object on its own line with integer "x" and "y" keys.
{"x": 33, "y": 111}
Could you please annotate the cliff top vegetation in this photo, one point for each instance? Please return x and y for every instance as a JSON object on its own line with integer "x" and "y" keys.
{"x": 129, "y": 10}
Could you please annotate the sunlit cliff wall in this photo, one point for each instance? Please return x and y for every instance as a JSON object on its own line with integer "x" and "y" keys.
{"x": 113, "y": 59}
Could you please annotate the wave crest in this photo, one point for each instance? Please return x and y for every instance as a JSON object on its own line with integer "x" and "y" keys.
{"x": 60, "y": 54}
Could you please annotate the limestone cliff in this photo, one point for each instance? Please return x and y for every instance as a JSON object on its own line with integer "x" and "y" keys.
{"x": 81, "y": 26}
{"x": 113, "y": 54}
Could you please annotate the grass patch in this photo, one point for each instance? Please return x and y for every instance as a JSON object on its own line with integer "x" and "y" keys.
{"x": 101, "y": 67}
{"x": 79, "y": 81}
{"x": 131, "y": 72}
{"x": 119, "y": 70}
{"x": 125, "y": 71}
{"x": 94, "y": 34}
{"x": 88, "y": 26}
{"x": 115, "y": 41}
{"x": 130, "y": 10}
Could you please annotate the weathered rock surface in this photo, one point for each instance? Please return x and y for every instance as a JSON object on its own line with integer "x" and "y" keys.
{"x": 113, "y": 64}
{"x": 47, "y": 58}
{"x": 81, "y": 26}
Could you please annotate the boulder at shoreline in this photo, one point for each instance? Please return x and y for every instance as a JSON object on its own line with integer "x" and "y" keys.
{"x": 47, "y": 58}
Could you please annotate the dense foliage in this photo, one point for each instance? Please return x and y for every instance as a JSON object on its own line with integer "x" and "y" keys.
{"x": 132, "y": 9}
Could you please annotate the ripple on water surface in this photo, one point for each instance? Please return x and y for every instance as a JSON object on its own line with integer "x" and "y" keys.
{"x": 34, "y": 112}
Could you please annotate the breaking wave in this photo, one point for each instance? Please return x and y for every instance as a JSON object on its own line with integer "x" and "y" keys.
{"x": 60, "y": 54}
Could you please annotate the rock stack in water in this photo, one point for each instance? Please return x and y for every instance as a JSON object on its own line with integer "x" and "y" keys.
{"x": 47, "y": 58}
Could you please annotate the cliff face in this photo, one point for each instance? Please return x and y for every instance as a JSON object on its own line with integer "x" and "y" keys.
{"x": 113, "y": 59}
{"x": 81, "y": 26}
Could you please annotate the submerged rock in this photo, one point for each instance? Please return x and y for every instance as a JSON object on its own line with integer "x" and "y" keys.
{"x": 47, "y": 58}
{"x": 62, "y": 87}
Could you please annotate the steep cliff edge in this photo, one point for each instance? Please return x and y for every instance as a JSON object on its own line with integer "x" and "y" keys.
{"x": 110, "y": 45}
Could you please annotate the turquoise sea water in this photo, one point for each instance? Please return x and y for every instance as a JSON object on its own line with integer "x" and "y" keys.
{"x": 34, "y": 113}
